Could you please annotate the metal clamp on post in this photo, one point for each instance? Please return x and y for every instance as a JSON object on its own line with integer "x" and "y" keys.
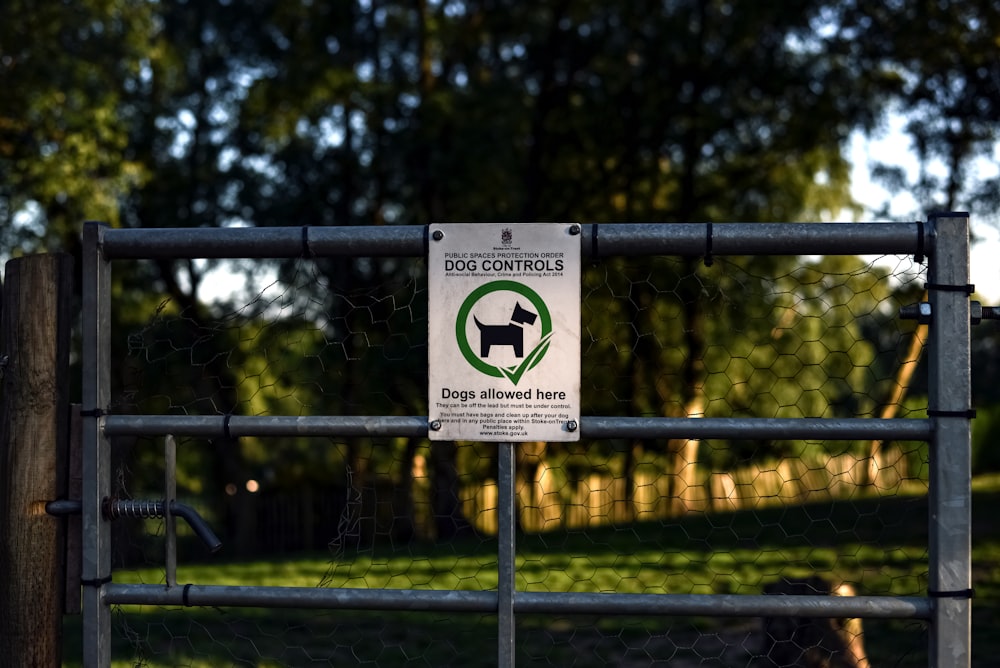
{"x": 968, "y": 288}
{"x": 978, "y": 313}
{"x": 920, "y": 255}
{"x": 922, "y": 312}
{"x": 959, "y": 593}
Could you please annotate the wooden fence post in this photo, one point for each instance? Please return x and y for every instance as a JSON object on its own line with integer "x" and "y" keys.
{"x": 34, "y": 344}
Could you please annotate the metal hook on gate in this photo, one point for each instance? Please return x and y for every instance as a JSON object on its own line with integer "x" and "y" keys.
{"x": 113, "y": 508}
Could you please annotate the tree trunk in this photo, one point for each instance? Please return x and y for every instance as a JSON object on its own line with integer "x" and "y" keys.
{"x": 449, "y": 522}
{"x": 685, "y": 478}
{"x": 404, "y": 521}
{"x": 33, "y": 446}
{"x": 529, "y": 456}
{"x": 876, "y": 453}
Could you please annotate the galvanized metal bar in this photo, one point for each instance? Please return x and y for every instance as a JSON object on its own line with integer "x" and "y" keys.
{"x": 950, "y": 577}
{"x": 417, "y": 600}
{"x": 597, "y": 240}
{"x": 266, "y": 242}
{"x": 170, "y": 495}
{"x": 95, "y": 397}
{"x": 374, "y": 241}
{"x": 215, "y": 426}
{"x": 506, "y": 554}
{"x": 757, "y": 428}
{"x": 692, "y": 239}
{"x": 720, "y": 605}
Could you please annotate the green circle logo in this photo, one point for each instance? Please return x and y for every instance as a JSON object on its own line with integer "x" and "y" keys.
{"x": 509, "y": 334}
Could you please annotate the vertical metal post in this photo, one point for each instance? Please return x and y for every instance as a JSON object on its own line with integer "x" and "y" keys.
{"x": 74, "y": 536}
{"x": 506, "y": 554}
{"x": 170, "y": 494}
{"x": 950, "y": 493}
{"x": 95, "y": 396}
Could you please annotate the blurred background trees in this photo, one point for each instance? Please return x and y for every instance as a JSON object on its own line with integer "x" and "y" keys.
{"x": 231, "y": 113}
{"x": 223, "y": 113}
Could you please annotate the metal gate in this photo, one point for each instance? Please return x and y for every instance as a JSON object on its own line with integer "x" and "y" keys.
{"x": 944, "y": 239}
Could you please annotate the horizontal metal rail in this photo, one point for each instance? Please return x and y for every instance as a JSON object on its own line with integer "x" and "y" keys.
{"x": 421, "y": 600}
{"x": 424, "y": 600}
{"x": 723, "y": 605}
{"x": 596, "y": 240}
{"x": 222, "y": 426}
{"x": 883, "y": 429}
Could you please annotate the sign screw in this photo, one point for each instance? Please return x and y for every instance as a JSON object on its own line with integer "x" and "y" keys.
{"x": 435, "y": 425}
{"x": 571, "y": 425}
{"x": 574, "y": 229}
{"x": 438, "y": 235}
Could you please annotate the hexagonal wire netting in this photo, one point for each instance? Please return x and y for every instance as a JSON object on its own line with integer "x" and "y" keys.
{"x": 755, "y": 337}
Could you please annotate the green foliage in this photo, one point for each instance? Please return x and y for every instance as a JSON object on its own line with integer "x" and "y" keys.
{"x": 782, "y": 338}
{"x": 214, "y": 114}
{"x": 66, "y": 70}
{"x": 985, "y": 445}
{"x": 986, "y": 426}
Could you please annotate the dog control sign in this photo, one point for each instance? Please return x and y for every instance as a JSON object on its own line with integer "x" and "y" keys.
{"x": 504, "y": 332}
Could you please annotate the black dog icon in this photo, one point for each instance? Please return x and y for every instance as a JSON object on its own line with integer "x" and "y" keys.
{"x": 511, "y": 334}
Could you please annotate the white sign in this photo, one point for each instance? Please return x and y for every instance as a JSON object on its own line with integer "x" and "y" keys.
{"x": 504, "y": 332}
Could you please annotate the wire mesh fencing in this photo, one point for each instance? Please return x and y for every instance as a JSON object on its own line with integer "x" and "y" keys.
{"x": 736, "y": 514}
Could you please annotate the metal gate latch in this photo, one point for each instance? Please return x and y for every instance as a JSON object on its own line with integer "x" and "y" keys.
{"x": 113, "y": 509}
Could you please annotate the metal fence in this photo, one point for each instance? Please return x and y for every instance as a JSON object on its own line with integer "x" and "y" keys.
{"x": 944, "y": 605}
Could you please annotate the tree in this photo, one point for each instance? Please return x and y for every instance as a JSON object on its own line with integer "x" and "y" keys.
{"x": 305, "y": 113}
{"x": 65, "y": 69}
{"x": 936, "y": 63}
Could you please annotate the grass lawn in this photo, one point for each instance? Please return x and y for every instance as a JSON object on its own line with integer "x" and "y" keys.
{"x": 879, "y": 545}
